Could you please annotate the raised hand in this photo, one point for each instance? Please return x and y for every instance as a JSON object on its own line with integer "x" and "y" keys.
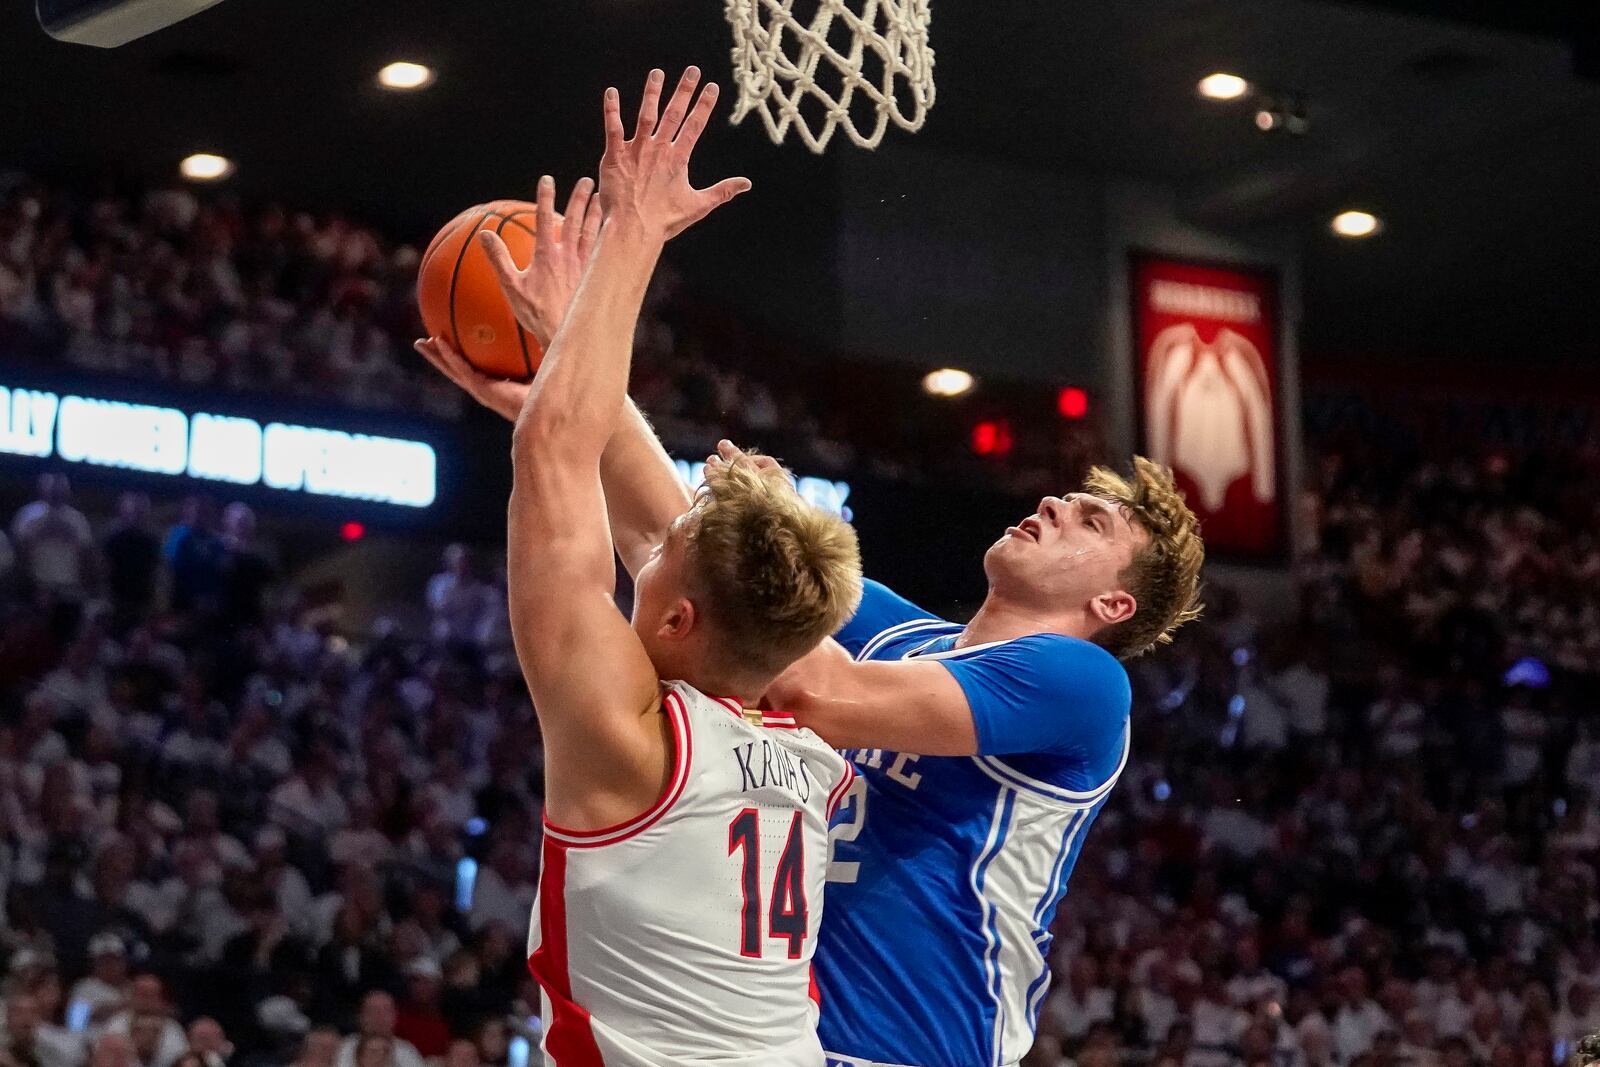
{"x": 729, "y": 454}
{"x": 540, "y": 295}
{"x": 498, "y": 395}
{"x": 644, "y": 182}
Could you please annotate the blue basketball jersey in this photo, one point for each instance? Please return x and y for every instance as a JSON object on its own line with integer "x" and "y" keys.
{"x": 945, "y": 872}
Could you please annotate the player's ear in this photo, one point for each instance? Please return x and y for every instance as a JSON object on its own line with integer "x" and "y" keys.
{"x": 1113, "y": 607}
{"x": 679, "y": 621}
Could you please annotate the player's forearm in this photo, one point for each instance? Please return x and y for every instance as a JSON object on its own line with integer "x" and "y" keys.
{"x": 571, "y": 411}
{"x": 643, "y": 491}
{"x": 812, "y": 681}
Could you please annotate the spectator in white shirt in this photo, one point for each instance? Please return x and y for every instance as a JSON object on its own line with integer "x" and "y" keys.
{"x": 1080, "y": 1001}
{"x": 32, "y": 1041}
{"x": 375, "y": 1024}
{"x": 1359, "y": 1019}
{"x": 309, "y": 804}
{"x": 1395, "y": 720}
{"x": 54, "y": 543}
{"x": 1524, "y": 727}
{"x": 457, "y": 599}
{"x": 1218, "y": 1025}
{"x": 202, "y": 825}
{"x": 1252, "y": 985}
{"x": 147, "y": 1003}
{"x": 360, "y": 842}
{"x": 283, "y": 880}
{"x": 105, "y": 989}
{"x": 1432, "y": 988}
{"x": 504, "y": 890}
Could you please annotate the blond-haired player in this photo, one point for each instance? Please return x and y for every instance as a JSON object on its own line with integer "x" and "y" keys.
{"x": 685, "y": 844}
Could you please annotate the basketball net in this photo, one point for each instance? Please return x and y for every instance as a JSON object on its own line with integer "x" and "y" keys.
{"x": 782, "y": 61}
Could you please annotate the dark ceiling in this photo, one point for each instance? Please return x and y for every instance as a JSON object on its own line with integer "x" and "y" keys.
{"x": 1466, "y": 125}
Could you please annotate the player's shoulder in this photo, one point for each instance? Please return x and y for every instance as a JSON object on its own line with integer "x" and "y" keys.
{"x": 1064, "y": 664}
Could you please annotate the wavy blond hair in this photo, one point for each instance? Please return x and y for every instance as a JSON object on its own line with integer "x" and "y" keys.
{"x": 777, "y": 574}
{"x": 1164, "y": 576}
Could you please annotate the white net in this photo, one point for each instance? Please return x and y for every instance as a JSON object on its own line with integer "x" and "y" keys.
{"x": 855, "y": 65}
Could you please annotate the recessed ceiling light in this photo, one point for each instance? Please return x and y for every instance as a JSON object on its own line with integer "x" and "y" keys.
{"x": 404, "y": 76}
{"x": 205, "y": 167}
{"x": 1356, "y": 224}
{"x": 1223, "y": 86}
{"x": 947, "y": 382}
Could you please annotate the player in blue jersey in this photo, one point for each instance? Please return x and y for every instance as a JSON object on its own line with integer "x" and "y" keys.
{"x": 985, "y": 749}
{"x": 948, "y": 864}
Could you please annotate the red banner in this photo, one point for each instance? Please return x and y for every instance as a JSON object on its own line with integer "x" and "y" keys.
{"x": 1206, "y": 343}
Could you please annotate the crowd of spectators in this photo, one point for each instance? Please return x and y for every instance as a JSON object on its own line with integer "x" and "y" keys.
{"x": 1371, "y": 837}
{"x": 228, "y": 835}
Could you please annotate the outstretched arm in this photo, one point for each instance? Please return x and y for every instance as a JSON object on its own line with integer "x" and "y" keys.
{"x": 643, "y": 491}
{"x": 595, "y": 689}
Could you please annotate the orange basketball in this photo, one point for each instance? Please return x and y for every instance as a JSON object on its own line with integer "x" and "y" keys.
{"x": 461, "y": 298}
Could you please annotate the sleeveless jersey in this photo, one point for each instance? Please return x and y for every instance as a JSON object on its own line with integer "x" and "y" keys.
{"x": 686, "y": 934}
{"x": 947, "y": 871}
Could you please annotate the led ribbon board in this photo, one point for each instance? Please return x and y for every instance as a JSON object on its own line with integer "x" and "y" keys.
{"x": 222, "y": 448}
{"x": 829, "y": 496}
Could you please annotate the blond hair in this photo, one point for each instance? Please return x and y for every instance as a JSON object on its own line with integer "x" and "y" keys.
{"x": 1164, "y": 576}
{"x": 776, "y": 574}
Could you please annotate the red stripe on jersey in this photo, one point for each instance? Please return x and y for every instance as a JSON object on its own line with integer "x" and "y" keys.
{"x": 839, "y": 791}
{"x": 815, "y": 991}
{"x": 569, "y": 1041}
{"x": 732, "y": 705}
{"x": 682, "y": 755}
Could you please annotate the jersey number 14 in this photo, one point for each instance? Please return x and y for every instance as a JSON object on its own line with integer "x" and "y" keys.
{"x": 787, "y": 914}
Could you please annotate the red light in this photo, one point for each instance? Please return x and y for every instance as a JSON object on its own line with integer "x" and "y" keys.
{"x": 992, "y": 437}
{"x": 352, "y": 531}
{"x": 1072, "y": 402}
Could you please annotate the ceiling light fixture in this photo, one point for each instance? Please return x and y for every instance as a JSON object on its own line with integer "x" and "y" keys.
{"x": 947, "y": 382}
{"x": 403, "y": 76}
{"x": 1356, "y": 224}
{"x": 205, "y": 167}
{"x": 1222, "y": 86}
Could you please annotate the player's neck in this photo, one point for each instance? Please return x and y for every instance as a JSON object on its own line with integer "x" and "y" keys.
{"x": 1000, "y": 620}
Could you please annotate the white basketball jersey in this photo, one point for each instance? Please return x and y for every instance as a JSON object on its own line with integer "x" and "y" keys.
{"x": 686, "y": 934}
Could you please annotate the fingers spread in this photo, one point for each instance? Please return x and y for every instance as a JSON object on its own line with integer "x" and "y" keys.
{"x": 613, "y": 120}
{"x": 545, "y": 210}
{"x": 500, "y": 256}
{"x": 592, "y": 218}
{"x": 695, "y": 125}
{"x": 678, "y": 107}
{"x": 649, "y": 106}
{"x": 577, "y": 206}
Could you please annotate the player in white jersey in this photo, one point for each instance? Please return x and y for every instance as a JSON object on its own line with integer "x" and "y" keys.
{"x": 684, "y": 846}
{"x": 687, "y": 932}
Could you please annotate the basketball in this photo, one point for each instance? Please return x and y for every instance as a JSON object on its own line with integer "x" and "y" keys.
{"x": 460, "y": 296}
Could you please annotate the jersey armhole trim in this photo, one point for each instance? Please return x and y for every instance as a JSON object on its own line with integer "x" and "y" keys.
{"x": 894, "y": 633}
{"x": 682, "y": 758}
{"x": 1006, "y": 774}
{"x": 839, "y": 791}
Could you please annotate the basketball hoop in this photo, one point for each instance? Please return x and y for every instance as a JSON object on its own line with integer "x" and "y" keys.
{"x": 849, "y": 54}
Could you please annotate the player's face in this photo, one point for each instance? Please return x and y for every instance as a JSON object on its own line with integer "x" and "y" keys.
{"x": 1071, "y": 549}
